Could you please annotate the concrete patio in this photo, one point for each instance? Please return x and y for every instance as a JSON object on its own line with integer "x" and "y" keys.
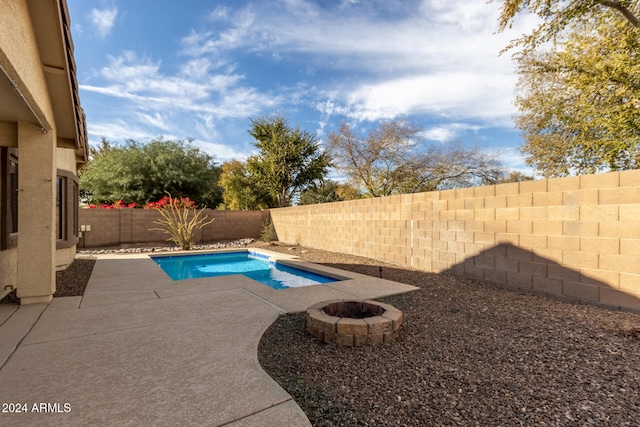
{"x": 140, "y": 349}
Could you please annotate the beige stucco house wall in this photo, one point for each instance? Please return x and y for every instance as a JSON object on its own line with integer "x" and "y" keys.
{"x": 42, "y": 144}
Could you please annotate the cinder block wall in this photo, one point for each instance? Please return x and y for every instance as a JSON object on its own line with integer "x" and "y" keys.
{"x": 575, "y": 238}
{"x": 115, "y": 227}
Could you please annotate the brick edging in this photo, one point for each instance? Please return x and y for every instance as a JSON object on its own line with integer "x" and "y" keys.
{"x": 378, "y": 329}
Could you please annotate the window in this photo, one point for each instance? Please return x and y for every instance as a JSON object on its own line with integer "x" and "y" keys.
{"x": 75, "y": 203}
{"x": 61, "y": 207}
{"x": 8, "y": 197}
{"x": 13, "y": 195}
{"x": 67, "y": 197}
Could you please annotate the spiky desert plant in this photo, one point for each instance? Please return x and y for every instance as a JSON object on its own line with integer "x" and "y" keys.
{"x": 180, "y": 220}
{"x": 267, "y": 231}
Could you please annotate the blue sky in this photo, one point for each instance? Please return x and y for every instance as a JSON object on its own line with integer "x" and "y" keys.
{"x": 201, "y": 69}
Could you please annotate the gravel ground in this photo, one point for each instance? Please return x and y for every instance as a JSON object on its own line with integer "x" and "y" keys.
{"x": 70, "y": 282}
{"x": 141, "y": 248}
{"x": 73, "y": 281}
{"x": 469, "y": 354}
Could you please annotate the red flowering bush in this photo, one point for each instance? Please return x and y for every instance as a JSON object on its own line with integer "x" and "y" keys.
{"x": 166, "y": 201}
{"x": 118, "y": 204}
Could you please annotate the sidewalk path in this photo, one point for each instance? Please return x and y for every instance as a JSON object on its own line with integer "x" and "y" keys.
{"x": 138, "y": 349}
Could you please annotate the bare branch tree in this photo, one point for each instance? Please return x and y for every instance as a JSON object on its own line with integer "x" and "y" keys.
{"x": 392, "y": 160}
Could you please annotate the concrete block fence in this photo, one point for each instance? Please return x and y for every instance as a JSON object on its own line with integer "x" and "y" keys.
{"x": 116, "y": 227}
{"x": 576, "y": 238}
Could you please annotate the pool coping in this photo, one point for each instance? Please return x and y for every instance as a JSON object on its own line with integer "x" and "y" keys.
{"x": 277, "y": 257}
{"x": 153, "y": 283}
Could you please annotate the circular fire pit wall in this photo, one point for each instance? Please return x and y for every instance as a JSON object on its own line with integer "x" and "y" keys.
{"x": 353, "y": 323}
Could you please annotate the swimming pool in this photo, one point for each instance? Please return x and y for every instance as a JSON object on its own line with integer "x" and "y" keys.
{"x": 252, "y": 265}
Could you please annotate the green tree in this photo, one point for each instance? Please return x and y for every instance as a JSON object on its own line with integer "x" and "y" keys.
{"x": 515, "y": 176}
{"x": 557, "y": 16}
{"x": 392, "y": 160}
{"x": 289, "y": 159}
{"x": 329, "y": 191}
{"x": 240, "y": 190}
{"x": 580, "y": 102}
{"x": 347, "y": 191}
{"x": 137, "y": 172}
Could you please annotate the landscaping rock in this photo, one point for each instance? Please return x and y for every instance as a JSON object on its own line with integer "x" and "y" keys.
{"x": 150, "y": 249}
{"x": 468, "y": 354}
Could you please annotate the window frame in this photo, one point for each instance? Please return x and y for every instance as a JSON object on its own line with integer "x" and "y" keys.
{"x": 8, "y": 198}
{"x": 61, "y": 207}
{"x": 67, "y": 209}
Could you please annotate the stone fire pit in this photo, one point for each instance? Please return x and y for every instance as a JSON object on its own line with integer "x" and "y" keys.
{"x": 353, "y": 323}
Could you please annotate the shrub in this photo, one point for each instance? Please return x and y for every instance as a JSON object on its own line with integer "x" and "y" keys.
{"x": 118, "y": 204}
{"x": 180, "y": 219}
{"x": 268, "y": 231}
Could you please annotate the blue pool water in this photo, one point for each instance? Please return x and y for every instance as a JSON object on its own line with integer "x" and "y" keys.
{"x": 254, "y": 266}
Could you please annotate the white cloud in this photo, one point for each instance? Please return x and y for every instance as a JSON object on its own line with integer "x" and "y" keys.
{"x": 219, "y": 13}
{"x": 145, "y": 103}
{"x": 116, "y": 130}
{"x": 429, "y": 57}
{"x": 447, "y": 132}
{"x": 103, "y": 20}
{"x": 419, "y": 37}
{"x": 330, "y": 107}
{"x": 467, "y": 15}
{"x": 459, "y": 94}
{"x": 196, "y": 69}
{"x": 157, "y": 120}
{"x": 221, "y": 152}
{"x": 240, "y": 30}
{"x": 127, "y": 68}
{"x": 141, "y": 81}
